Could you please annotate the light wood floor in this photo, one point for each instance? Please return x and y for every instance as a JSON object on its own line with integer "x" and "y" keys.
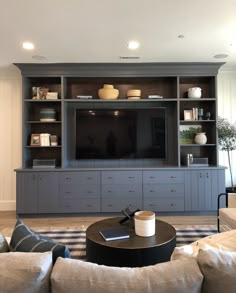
{"x": 8, "y": 220}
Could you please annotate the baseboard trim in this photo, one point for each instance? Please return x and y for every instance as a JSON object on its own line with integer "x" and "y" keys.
{"x": 9, "y": 205}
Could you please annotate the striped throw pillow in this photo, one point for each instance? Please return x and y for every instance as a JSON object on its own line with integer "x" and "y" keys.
{"x": 25, "y": 239}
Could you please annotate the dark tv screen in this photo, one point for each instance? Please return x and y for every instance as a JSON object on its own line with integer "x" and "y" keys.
{"x": 120, "y": 134}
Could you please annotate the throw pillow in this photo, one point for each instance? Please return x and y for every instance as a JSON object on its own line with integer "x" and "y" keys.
{"x": 3, "y": 244}
{"x": 179, "y": 276}
{"x": 25, "y": 272}
{"x": 27, "y": 240}
{"x": 219, "y": 270}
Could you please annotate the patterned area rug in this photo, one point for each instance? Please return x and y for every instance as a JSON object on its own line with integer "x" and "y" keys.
{"x": 75, "y": 239}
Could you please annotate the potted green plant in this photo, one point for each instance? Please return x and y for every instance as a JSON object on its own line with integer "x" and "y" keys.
{"x": 227, "y": 141}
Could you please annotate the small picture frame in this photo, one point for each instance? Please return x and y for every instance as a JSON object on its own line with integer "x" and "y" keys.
{"x": 35, "y": 140}
{"x": 188, "y": 115}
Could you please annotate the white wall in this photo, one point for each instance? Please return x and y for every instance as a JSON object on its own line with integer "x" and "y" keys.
{"x": 10, "y": 127}
{"x": 10, "y": 134}
{"x": 227, "y": 109}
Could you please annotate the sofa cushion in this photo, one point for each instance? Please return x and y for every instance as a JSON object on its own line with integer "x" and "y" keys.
{"x": 3, "y": 244}
{"x": 221, "y": 241}
{"x": 27, "y": 240}
{"x": 228, "y": 216}
{"x": 219, "y": 270}
{"x": 25, "y": 272}
{"x": 70, "y": 275}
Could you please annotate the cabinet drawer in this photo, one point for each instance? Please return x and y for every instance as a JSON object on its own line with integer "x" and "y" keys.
{"x": 84, "y": 177}
{"x": 121, "y": 177}
{"x": 117, "y": 205}
{"x": 163, "y": 176}
{"x": 71, "y": 191}
{"x": 163, "y": 190}
{"x": 121, "y": 190}
{"x": 80, "y": 206}
{"x": 164, "y": 204}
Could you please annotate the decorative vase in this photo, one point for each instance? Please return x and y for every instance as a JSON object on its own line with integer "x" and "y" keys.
{"x": 200, "y": 138}
{"x": 108, "y": 92}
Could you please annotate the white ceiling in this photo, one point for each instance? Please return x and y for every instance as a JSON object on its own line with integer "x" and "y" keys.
{"x": 99, "y": 30}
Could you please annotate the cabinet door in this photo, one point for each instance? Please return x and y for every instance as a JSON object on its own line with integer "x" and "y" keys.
{"x": 199, "y": 190}
{"x": 48, "y": 192}
{"x": 26, "y": 193}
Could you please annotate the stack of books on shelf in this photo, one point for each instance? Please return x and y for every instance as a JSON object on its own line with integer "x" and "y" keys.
{"x": 44, "y": 139}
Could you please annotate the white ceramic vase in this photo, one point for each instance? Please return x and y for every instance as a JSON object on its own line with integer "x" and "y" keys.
{"x": 200, "y": 138}
{"x": 194, "y": 92}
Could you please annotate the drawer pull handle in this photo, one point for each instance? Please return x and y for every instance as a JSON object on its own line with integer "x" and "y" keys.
{"x": 131, "y": 191}
{"x": 152, "y": 177}
{"x": 151, "y": 191}
{"x": 89, "y": 178}
{"x": 109, "y": 177}
{"x": 109, "y": 205}
{"x": 68, "y": 178}
{"x": 89, "y": 205}
{"x": 173, "y": 190}
{"x": 131, "y": 177}
{"x": 172, "y": 204}
{"x": 172, "y": 177}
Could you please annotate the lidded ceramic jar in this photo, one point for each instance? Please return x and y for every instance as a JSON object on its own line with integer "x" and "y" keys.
{"x": 200, "y": 138}
{"x": 194, "y": 92}
{"x": 145, "y": 223}
{"x": 108, "y": 92}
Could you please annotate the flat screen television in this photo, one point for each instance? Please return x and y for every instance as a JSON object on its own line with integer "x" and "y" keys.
{"x": 121, "y": 133}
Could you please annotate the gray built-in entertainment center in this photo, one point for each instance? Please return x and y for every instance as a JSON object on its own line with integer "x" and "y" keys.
{"x": 83, "y": 154}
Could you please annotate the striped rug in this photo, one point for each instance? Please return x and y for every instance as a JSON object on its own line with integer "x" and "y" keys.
{"x": 75, "y": 239}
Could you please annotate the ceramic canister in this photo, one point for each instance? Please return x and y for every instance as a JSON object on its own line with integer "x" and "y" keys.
{"x": 145, "y": 223}
{"x": 194, "y": 92}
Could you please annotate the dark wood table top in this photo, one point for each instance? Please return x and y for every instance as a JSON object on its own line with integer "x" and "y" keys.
{"x": 164, "y": 234}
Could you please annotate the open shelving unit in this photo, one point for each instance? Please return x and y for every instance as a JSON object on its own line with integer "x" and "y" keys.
{"x": 169, "y": 80}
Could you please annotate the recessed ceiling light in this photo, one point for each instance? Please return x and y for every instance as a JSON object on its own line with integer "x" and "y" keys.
{"x": 221, "y": 56}
{"x": 28, "y": 46}
{"x": 133, "y": 45}
{"x": 180, "y": 36}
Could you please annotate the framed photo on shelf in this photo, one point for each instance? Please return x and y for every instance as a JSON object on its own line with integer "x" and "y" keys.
{"x": 35, "y": 140}
{"x": 188, "y": 115}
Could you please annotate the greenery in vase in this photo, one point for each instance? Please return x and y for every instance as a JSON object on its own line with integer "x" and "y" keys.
{"x": 187, "y": 135}
{"x": 227, "y": 140}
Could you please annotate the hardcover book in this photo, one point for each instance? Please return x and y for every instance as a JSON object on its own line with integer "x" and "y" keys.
{"x": 114, "y": 234}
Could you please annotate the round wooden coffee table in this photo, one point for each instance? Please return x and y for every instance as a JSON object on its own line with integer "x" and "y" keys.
{"x": 135, "y": 251}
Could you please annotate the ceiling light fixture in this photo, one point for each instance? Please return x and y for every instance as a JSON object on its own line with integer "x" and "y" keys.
{"x": 133, "y": 45}
{"x": 180, "y": 36}
{"x": 28, "y": 46}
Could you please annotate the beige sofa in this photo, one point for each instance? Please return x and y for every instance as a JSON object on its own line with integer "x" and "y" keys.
{"x": 210, "y": 270}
